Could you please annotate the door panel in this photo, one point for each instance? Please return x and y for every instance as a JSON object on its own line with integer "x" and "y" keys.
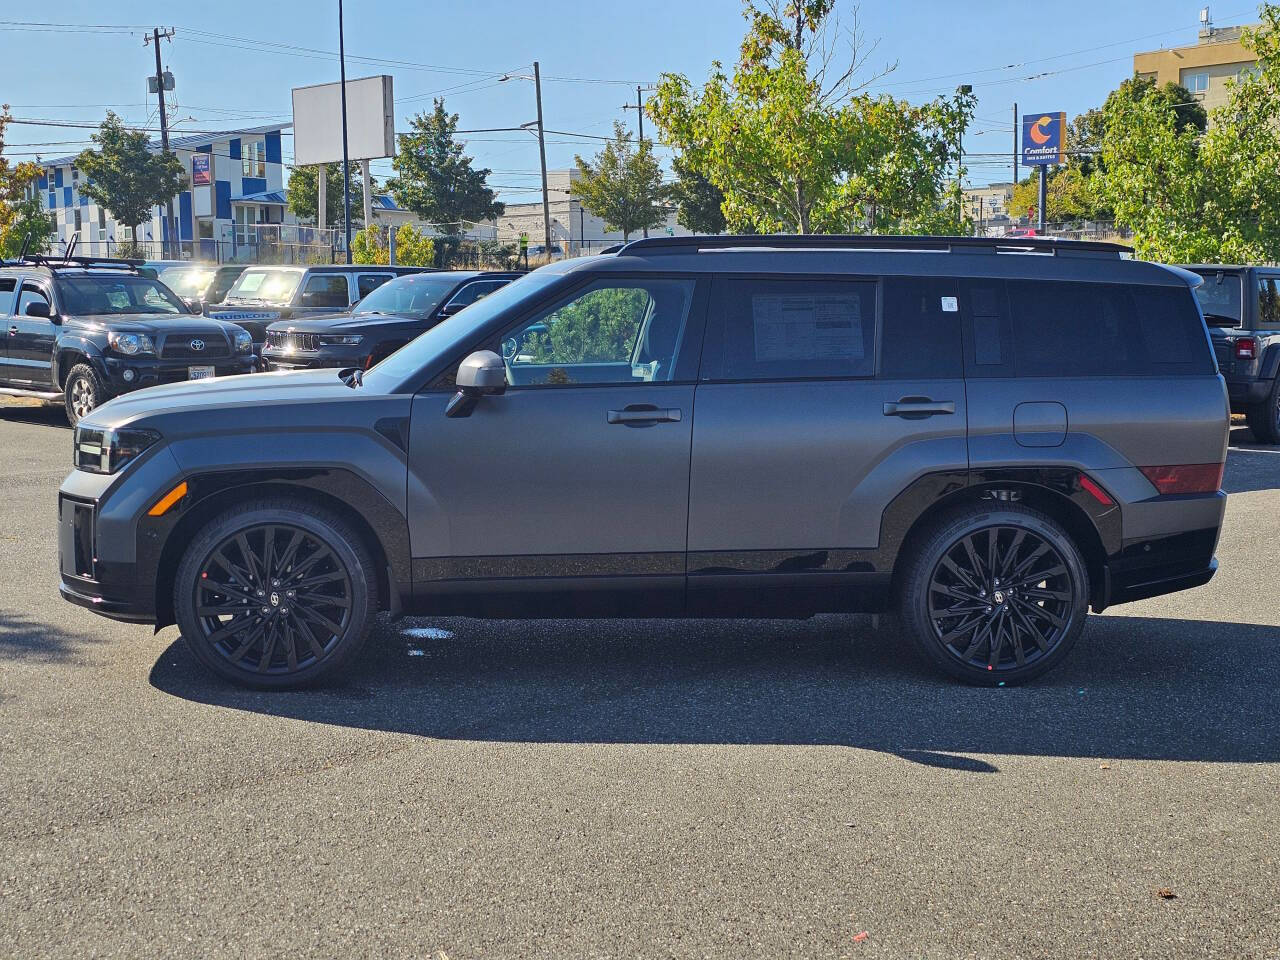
{"x": 31, "y": 339}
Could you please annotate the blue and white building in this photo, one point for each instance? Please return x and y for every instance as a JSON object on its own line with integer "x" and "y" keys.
{"x": 235, "y": 182}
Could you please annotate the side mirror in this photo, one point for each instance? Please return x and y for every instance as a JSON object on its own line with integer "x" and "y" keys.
{"x": 481, "y": 374}
{"x": 196, "y": 305}
{"x": 37, "y": 308}
{"x": 449, "y": 309}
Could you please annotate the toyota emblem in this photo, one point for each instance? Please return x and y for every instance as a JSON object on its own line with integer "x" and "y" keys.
{"x": 197, "y": 345}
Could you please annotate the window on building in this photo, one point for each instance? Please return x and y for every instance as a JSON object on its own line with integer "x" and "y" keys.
{"x": 75, "y": 174}
{"x": 78, "y": 220}
{"x": 1196, "y": 82}
{"x": 254, "y": 159}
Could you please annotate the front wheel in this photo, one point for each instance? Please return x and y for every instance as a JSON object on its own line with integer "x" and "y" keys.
{"x": 276, "y": 595}
{"x": 82, "y": 392}
{"x": 995, "y": 594}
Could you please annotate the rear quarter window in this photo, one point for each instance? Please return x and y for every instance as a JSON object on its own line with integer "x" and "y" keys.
{"x": 1064, "y": 329}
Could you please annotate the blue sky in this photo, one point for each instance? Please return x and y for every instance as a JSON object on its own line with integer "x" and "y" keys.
{"x": 227, "y": 78}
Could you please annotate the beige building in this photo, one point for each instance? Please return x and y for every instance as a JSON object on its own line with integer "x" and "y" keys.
{"x": 989, "y": 203}
{"x": 1203, "y": 68}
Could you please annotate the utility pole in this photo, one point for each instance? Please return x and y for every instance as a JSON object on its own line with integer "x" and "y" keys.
{"x": 1015, "y": 144}
{"x": 346, "y": 163}
{"x": 1044, "y": 195}
{"x": 639, "y": 109}
{"x": 542, "y": 155}
{"x": 156, "y": 35}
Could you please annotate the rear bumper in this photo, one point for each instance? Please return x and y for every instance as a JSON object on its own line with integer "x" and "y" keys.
{"x": 1136, "y": 588}
{"x": 1245, "y": 393}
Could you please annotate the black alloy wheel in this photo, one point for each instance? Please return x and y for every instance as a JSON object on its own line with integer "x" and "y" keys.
{"x": 275, "y": 598}
{"x": 995, "y": 595}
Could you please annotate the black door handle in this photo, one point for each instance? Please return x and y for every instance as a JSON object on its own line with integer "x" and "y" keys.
{"x": 639, "y": 414}
{"x": 915, "y": 408}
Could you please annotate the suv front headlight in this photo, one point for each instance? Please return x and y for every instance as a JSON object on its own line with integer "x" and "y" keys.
{"x": 106, "y": 451}
{"x": 130, "y": 344}
{"x": 244, "y": 341}
{"x": 341, "y": 339}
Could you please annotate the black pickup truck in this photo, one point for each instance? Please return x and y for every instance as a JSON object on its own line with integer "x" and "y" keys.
{"x": 84, "y": 329}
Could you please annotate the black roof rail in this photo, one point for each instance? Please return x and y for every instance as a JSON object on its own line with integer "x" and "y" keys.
{"x": 62, "y": 263}
{"x": 932, "y": 244}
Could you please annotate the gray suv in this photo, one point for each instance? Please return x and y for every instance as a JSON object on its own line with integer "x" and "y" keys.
{"x": 989, "y": 437}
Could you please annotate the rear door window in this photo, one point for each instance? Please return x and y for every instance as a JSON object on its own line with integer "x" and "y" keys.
{"x": 326, "y": 290}
{"x": 790, "y": 329}
{"x": 920, "y": 339}
{"x": 1219, "y": 298}
{"x": 1268, "y": 302}
{"x": 7, "y": 287}
{"x": 366, "y": 283}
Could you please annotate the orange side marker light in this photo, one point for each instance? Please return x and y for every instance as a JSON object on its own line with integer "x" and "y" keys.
{"x": 168, "y": 500}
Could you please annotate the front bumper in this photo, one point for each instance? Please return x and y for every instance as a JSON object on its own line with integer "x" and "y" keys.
{"x": 335, "y": 358}
{"x": 151, "y": 372}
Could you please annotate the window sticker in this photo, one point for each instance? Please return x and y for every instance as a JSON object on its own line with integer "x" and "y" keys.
{"x": 950, "y": 305}
{"x": 803, "y": 328}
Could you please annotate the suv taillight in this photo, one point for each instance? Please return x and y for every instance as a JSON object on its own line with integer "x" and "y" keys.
{"x": 1185, "y": 478}
{"x": 1246, "y": 348}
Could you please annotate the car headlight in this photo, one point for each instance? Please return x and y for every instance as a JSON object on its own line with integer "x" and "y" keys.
{"x": 130, "y": 344}
{"x": 244, "y": 341}
{"x": 344, "y": 339}
{"x": 106, "y": 451}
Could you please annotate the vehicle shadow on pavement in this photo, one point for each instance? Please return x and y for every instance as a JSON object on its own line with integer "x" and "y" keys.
{"x": 1134, "y": 687}
{"x": 22, "y": 638}
{"x": 49, "y": 415}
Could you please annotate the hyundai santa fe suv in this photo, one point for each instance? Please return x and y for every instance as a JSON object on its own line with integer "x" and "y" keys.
{"x": 989, "y": 437}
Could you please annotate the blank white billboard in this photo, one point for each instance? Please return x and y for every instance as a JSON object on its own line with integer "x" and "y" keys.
{"x": 317, "y": 121}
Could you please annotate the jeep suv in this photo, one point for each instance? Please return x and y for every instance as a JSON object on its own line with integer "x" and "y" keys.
{"x": 264, "y": 294}
{"x": 1241, "y": 306}
{"x": 988, "y": 437}
{"x": 380, "y": 324}
{"x": 85, "y": 329}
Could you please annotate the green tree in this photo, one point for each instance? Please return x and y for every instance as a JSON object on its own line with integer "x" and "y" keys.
{"x": 435, "y": 179}
{"x": 125, "y": 177}
{"x": 796, "y": 144}
{"x": 413, "y": 248}
{"x": 599, "y": 326}
{"x": 21, "y": 213}
{"x": 622, "y": 185}
{"x": 303, "y": 194}
{"x": 698, "y": 201}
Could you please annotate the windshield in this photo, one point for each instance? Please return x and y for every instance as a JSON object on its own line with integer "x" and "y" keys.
{"x": 90, "y": 295}
{"x": 1219, "y": 298}
{"x": 447, "y": 336}
{"x": 187, "y": 281}
{"x": 272, "y": 286}
{"x": 417, "y": 296}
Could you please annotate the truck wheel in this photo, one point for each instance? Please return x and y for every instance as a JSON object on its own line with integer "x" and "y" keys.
{"x": 82, "y": 392}
{"x": 1264, "y": 417}
{"x": 995, "y": 594}
{"x": 276, "y": 595}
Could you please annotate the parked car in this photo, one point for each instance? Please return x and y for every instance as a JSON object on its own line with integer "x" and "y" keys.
{"x": 1241, "y": 308}
{"x": 201, "y": 284}
{"x": 85, "y": 329}
{"x": 988, "y": 437}
{"x": 152, "y": 268}
{"x": 380, "y": 324}
{"x": 264, "y": 294}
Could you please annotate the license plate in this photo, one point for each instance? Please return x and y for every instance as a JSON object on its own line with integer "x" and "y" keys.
{"x": 199, "y": 373}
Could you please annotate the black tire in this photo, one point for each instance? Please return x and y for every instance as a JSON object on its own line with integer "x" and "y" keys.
{"x": 1264, "y": 417}
{"x": 82, "y": 392}
{"x": 962, "y": 614}
{"x": 262, "y": 553}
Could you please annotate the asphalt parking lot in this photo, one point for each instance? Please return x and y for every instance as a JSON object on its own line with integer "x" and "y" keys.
{"x": 622, "y": 788}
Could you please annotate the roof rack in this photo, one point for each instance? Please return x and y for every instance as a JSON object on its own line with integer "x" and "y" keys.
{"x": 62, "y": 263}
{"x": 676, "y": 245}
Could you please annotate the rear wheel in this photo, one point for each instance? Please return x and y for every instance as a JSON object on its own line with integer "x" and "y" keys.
{"x": 995, "y": 594}
{"x": 1264, "y": 417}
{"x": 276, "y": 595}
{"x": 82, "y": 392}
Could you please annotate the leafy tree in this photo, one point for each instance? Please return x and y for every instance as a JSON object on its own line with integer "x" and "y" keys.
{"x": 20, "y": 215}
{"x": 413, "y": 248}
{"x": 698, "y": 201}
{"x": 796, "y": 144}
{"x": 622, "y": 185}
{"x": 435, "y": 179}
{"x": 125, "y": 177}
{"x": 303, "y": 194}
{"x": 600, "y": 326}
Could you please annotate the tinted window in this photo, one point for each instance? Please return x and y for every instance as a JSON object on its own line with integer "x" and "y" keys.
{"x": 615, "y": 331}
{"x": 326, "y": 290}
{"x": 791, "y": 329}
{"x": 369, "y": 282}
{"x": 1097, "y": 329}
{"x": 1268, "y": 303}
{"x": 921, "y": 334}
{"x": 30, "y": 294}
{"x": 474, "y": 291}
{"x": 417, "y": 295}
{"x": 102, "y": 293}
{"x": 7, "y": 286}
{"x": 1219, "y": 298}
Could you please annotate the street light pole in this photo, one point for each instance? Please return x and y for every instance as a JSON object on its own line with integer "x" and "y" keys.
{"x": 542, "y": 156}
{"x": 346, "y": 163}
{"x": 167, "y": 233}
